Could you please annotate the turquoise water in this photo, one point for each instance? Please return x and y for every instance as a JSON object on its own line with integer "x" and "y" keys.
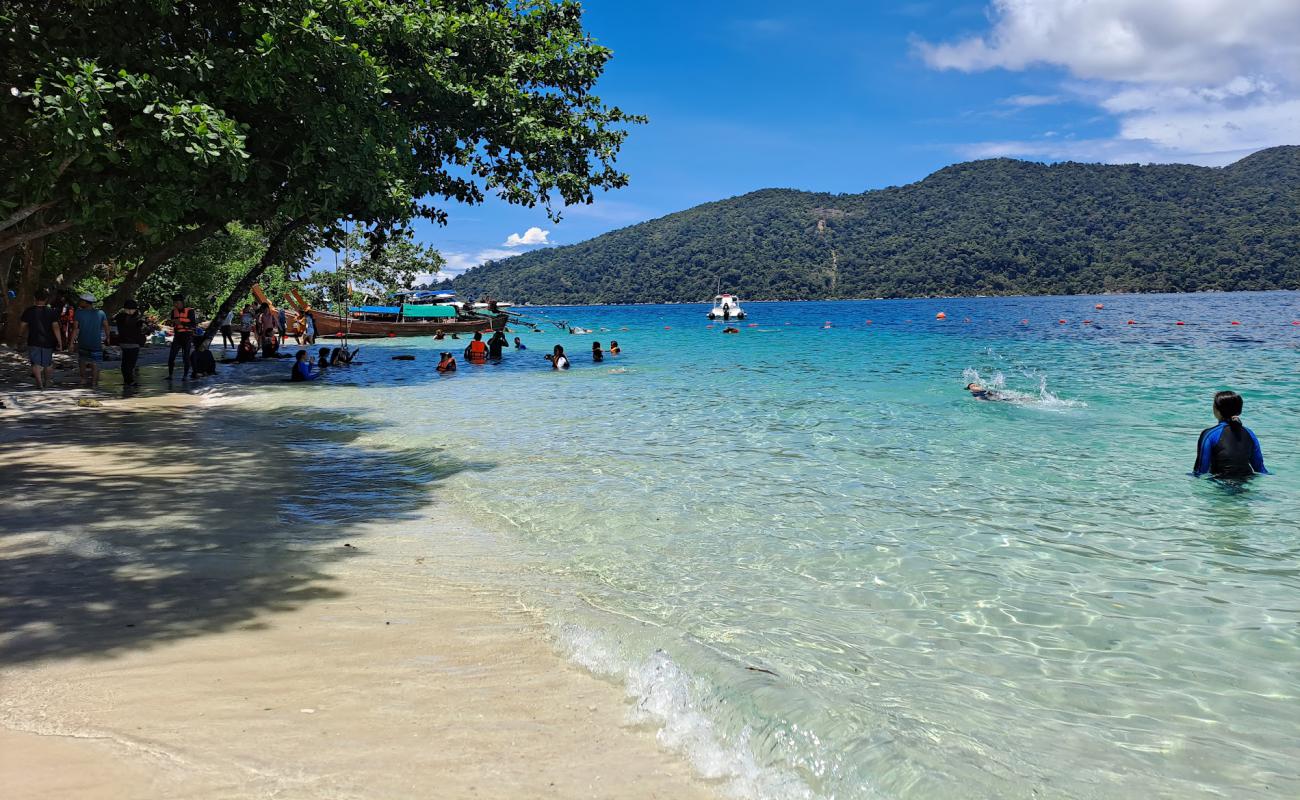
{"x": 823, "y": 570}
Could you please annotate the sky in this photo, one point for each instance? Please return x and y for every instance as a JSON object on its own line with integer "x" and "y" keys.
{"x": 851, "y": 96}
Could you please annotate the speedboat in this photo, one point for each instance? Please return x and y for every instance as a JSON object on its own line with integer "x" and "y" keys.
{"x": 726, "y": 307}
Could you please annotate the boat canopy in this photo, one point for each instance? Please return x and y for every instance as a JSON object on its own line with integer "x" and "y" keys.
{"x": 428, "y": 312}
{"x": 375, "y": 309}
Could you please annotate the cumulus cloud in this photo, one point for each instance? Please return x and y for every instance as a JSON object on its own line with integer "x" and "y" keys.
{"x": 1193, "y": 80}
{"x": 456, "y": 262}
{"x": 531, "y": 237}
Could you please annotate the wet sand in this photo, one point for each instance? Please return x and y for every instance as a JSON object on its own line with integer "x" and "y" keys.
{"x": 168, "y": 628}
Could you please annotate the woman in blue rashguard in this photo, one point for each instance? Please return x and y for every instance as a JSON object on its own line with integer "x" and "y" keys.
{"x": 1229, "y": 449}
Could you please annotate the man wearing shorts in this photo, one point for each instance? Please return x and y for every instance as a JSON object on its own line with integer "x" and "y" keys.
{"x": 90, "y": 329}
{"x": 40, "y": 324}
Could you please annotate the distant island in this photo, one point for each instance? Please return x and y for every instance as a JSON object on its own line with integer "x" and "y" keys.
{"x": 993, "y": 227}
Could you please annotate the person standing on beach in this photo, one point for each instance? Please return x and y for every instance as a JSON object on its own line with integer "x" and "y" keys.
{"x": 40, "y": 324}
{"x": 246, "y": 321}
{"x": 267, "y": 325}
{"x": 309, "y": 329}
{"x": 283, "y": 322}
{"x": 90, "y": 329}
{"x": 183, "y": 320}
{"x": 131, "y": 331}
{"x": 228, "y": 329}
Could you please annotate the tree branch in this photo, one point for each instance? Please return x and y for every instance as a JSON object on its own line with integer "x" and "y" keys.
{"x": 37, "y": 233}
{"x": 155, "y": 259}
{"x": 23, "y": 213}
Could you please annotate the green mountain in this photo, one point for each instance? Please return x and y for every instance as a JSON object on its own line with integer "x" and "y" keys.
{"x": 984, "y": 227}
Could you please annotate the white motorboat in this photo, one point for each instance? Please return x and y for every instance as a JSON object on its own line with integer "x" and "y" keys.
{"x": 726, "y": 307}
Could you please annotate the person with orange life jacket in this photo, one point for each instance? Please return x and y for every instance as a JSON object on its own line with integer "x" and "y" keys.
{"x": 183, "y": 320}
{"x": 476, "y": 351}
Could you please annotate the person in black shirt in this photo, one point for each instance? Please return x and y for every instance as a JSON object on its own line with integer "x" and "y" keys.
{"x": 131, "y": 332}
{"x": 40, "y": 325}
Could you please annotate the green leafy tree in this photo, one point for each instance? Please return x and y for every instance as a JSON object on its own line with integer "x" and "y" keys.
{"x": 290, "y": 116}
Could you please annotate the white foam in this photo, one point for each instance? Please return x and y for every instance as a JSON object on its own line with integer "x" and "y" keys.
{"x": 666, "y": 696}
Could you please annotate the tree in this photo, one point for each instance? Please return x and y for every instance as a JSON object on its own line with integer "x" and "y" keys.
{"x": 292, "y": 115}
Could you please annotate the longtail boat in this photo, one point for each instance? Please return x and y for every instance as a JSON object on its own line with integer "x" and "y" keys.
{"x": 363, "y": 324}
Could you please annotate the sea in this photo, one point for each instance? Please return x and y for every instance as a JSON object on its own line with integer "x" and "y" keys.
{"x": 821, "y": 569}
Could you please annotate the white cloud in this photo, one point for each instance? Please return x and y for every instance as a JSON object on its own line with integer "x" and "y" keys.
{"x": 1032, "y": 100}
{"x": 457, "y": 262}
{"x": 531, "y": 237}
{"x": 1186, "y": 80}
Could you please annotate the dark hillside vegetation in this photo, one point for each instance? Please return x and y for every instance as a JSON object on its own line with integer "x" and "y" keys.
{"x": 984, "y": 227}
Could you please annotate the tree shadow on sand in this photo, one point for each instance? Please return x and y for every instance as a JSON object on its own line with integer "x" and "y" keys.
{"x": 167, "y": 524}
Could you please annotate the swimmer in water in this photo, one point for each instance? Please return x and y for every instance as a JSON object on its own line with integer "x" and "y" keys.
{"x": 614, "y": 349}
{"x": 731, "y": 330}
{"x": 596, "y": 355}
{"x": 1229, "y": 449}
{"x": 980, "y": 393}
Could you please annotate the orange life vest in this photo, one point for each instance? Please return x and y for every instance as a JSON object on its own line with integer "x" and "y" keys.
{"x": 183, "y": 320}
{"x": 477, "y": 351}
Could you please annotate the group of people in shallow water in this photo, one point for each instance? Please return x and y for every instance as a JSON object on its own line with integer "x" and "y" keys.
{"x": 480, "y": 352}
{"x": 1227, "y": 449}
{"x": 305, "y": 370}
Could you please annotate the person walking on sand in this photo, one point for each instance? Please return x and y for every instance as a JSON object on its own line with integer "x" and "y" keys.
{"x": 90, "y": 330}
{"x": 131, "y": 331}
{"x": 183, "y": 320}
{"x": 40, "y": 325}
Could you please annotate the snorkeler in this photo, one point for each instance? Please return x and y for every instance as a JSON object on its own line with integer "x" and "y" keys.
{"x": 1228, "y": 449}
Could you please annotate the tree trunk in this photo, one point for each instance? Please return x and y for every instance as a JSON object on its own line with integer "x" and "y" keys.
{"x": 245, "y": 285}
{"x": 177, "y": 245}
{"x": 29, "y": 279}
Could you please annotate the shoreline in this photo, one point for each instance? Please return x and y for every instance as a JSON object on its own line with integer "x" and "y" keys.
{"x": 192, "y": 631}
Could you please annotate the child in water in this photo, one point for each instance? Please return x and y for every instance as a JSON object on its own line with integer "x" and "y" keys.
{"x": 596, "y": 355}
{"x": 1229, "y": 449}
{"x": 614, "y": 349}
{"x": 302, "y": 368}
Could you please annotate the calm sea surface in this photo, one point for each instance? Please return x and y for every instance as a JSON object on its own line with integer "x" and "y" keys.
{"x": 823, "y": 570}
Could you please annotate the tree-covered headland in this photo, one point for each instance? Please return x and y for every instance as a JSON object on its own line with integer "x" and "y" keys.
{"x": 992, "y": 227}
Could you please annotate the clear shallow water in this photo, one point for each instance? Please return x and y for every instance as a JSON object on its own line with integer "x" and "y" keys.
{"x": 825, "y": 571}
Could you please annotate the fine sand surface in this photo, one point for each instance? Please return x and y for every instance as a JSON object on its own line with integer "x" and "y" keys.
{"x": 171, "y": 627}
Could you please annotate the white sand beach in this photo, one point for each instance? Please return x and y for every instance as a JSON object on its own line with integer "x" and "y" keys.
{"x": 165, "y": 632}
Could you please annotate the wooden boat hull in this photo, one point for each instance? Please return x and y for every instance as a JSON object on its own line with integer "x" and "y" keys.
{"x": 333, "y": 325}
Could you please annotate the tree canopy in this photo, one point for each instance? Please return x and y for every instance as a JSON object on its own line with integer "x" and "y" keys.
{"x": 147, "y": 127}
{"x": 987, "y": 227}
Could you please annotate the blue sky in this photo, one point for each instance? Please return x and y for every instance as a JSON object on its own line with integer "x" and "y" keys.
{"x": 851, "y": 96}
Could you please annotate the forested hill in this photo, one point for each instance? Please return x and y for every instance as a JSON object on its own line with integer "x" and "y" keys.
{"x": 984, "y": 227}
